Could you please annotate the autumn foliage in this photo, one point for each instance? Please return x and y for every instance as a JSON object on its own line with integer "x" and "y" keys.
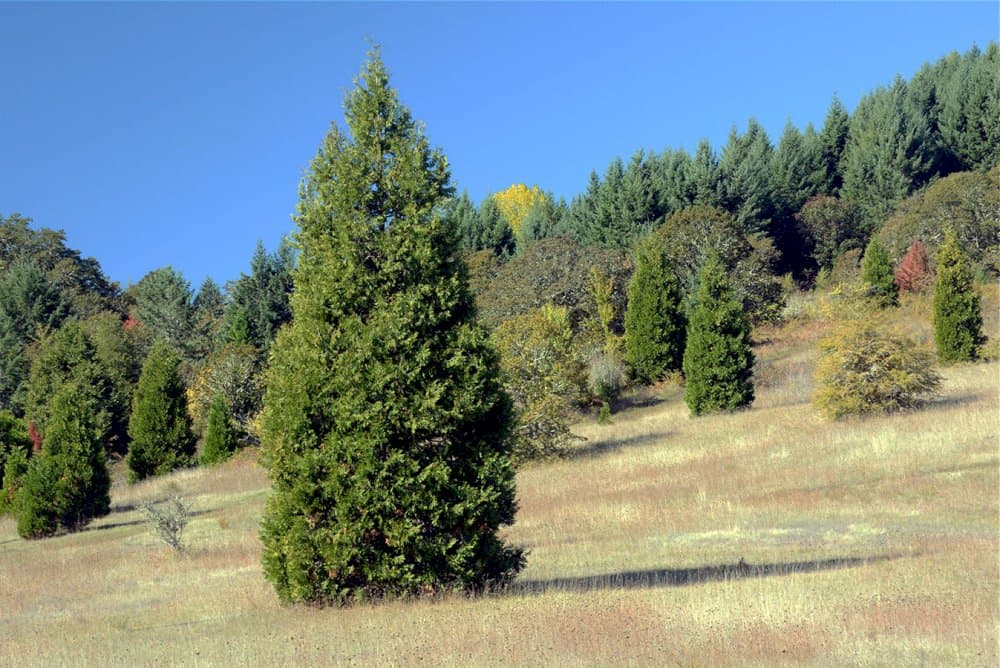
{"x": 913, "y": 273}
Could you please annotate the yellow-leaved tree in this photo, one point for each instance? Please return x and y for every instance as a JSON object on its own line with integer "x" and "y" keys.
{"x": 516, "y": 202}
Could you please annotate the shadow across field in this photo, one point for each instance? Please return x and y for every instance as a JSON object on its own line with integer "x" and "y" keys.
{"x": 688, "y": 576}
{"x": 136, "y": 522}
{"x": 599, "y": 446}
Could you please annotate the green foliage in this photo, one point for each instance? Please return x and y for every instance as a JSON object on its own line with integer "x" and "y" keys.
{"x": 207, "y": 319}
{"x": 718, "y": 361}
{"x": 160, "y": 428}
{"x": 889, "y": 153}
{"x": 688, "y": 237}
{"x": 14, "y": 471}
{"x": 14, "y": 444}
{"x": 220, "y": 435}
{"x": 862, "y": 370}
{"x": 164, "y": 306}
{"x": 969, "y": 107}
{"x": 557, "y": 270}
{"x": 966, "y": 202}
{"x": 832, "y": 142}
{"x": 654, "y": 320}
{"x": 30, "y": 308}
{"x": 878, "y": 281}
{"x": 831, "y": 227}
{"x": 68, "y": 484}
{"x": 544, "y": 375}
{"x": 745, "y": 169}
{"x": 258, "y": 303}
{"x": 386, "y": 430}
{"x": 958, "y": 317}
{"x": 234, "y": 372}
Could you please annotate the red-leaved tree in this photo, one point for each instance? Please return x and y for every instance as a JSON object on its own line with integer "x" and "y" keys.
{"x": 913, "y": 273}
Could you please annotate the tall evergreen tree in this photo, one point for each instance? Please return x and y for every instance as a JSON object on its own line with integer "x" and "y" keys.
{"x": 958, "y": 316}
{"x": 164, "y": 304}
{"x": 969, "y": 118}
{"x": 745, "y": 168}
{"x": 832, "y": 141}
{"x": 703, "y": 177}
{"x": 160, "y": 427}
{"x": 877, "y": 276}
{"x": 258, "y": 302}
{"x": 654, "y": 319}
{"x": 68, "y": 483}
{"x": 386, "y": 431}
{"x": 718, "y": 361}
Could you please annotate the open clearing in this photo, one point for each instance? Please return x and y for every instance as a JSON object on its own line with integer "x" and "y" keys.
{"x": 766, "y": 537}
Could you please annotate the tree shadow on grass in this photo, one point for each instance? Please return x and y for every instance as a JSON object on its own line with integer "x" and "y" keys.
{"x": 599, "y": 446}
{"x": 950, "y": 401}
{"x": 136, "y": 522}
{"x": 680, "y": 577}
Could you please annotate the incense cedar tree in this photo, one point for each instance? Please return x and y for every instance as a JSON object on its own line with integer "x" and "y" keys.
{"x": 654, "y": 318}
{"x": 386, "y": 430}
{"x": 718, "y": 361}
{"x": 958, "y": 315}
{"x": 160, "y": 427}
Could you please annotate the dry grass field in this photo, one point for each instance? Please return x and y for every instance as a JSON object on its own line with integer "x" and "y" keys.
{"x": 763, "y": 538}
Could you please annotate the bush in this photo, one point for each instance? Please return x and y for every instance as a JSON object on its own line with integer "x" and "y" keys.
{"x": 958, "y": 317}
{"x": 169, "y": 520}
{"x": 14, "y": 442}
{"x": 718, "y": 361}
{"x": 863, "y": 370}
{"x": 605, "y": 377}
{"x": 543, "y": 374}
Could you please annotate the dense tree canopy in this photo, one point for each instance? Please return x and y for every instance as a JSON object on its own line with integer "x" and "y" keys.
{"x": 386, "y": 431}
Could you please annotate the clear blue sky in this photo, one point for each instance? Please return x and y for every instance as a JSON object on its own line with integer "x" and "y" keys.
{"x": 158, "y": 134}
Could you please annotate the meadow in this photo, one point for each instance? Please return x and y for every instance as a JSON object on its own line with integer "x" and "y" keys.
{"x": 765, "y": 537}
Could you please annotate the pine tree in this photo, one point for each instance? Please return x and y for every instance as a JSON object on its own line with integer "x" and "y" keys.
{"x": 386, "y": 431}
{"x": 958, "y": 317}
{"x": 220, "y": 434}
{"x": 654, "y": 318}
{"x": 160, "y": 428}
{"x": 718, "y": 361}
{"x": 68, "y": 483}
{"x": 877, "y": 277}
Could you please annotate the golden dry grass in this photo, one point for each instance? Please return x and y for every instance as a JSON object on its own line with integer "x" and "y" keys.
{"x": 766, "y": 537}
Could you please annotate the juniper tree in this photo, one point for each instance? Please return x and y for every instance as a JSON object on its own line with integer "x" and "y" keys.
{"x": 958, "y": 316}
{"x": 159, "y": 427}
{"x": 654, "y": 319}
{"x": 718, "y": 361}
{"x": 386, "y": 431}
{"x": 220, "y": 434}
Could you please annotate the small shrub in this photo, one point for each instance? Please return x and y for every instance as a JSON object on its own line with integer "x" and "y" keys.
{"x": 863, "y": 370}
{"x": 220, "y": 435}
{"x": 877, "y": 275}
{"x": 169, "y": 520}
{"x": 605, "y": 377}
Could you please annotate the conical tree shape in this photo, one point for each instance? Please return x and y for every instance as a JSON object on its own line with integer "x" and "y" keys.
{"x": 68, "y": 483}
{"x": 718, "y": 361}
{"x": 220, "y": 434}
{"x": 654, "y": 318}
{"x": 160, "y": 427}
{"x": 958, "y": 316}
{"x": 877, "y": 276}
{"x": 386, "y": 432}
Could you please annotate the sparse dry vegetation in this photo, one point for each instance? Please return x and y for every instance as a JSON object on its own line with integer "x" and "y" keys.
{"x": 765, "y": 537}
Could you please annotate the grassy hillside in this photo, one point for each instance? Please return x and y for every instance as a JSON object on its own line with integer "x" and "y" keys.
{"x": 766, "y": 537}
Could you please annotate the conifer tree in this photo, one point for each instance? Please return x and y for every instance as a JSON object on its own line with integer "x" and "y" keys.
{"x": 386, "y": 431}
{"x": 68, "y": 483}
{"x": 877, "y": 277}
{"x": 220, "y": 434}
{"x": 159, "y": 428}
{"x": 718, "y": 361}
{"x": 654, "y": 318}
{"x": 958, "y": 317}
